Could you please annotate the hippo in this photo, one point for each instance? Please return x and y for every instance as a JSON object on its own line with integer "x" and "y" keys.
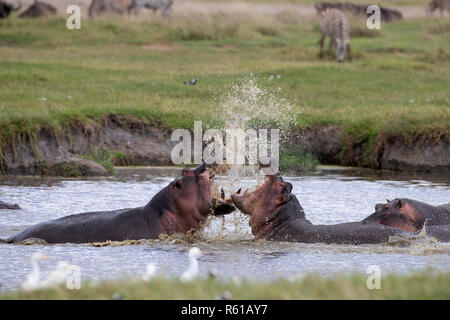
{"x": 180, "y": 207}
{"x": 276, "y": 215}
{"x": 5, "y": 205}
{"x": 409, "y": 215}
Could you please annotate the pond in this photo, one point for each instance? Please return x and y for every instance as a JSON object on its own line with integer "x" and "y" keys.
{"x": 328, "y": 195}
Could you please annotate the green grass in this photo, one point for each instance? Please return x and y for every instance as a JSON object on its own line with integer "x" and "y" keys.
{"x": 107, "y": 158}
{"x": 297, "y": 162}
{"x": 422, "y": 285}
{"x": 397, "y": 84}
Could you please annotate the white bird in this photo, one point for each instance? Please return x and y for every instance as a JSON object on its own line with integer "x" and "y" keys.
{"x": 150, "y": 272}
{"x": 192, "y": 270}
{"x": 59, "y": 275}
{"x": 32, "y": 280}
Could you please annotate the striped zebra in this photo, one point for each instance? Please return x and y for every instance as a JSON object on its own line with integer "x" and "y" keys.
{"x": 442, "y": 5}
{"x": 128, "y": 6}
{"x": 335, "y": 25}
{"x": 101, "y": 6}
{"x": 164, "y": 6}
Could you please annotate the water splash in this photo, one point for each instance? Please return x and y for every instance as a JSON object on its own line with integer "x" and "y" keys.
{"x": 245, "y": 105}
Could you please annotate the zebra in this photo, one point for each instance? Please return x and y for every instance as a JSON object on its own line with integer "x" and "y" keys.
{"x": 38, "y": 9}
{"x": 387, "y": 14}
{"x": 334, "y": 24}
{"x": 6, "y": 9}
{"x": 442, "y": 5}
{"x": 128, "y": 6}
{"x": 164, "y": 6}
{"x": 118, "y": 6}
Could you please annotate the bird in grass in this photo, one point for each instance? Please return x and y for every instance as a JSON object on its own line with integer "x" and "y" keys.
{"x": 226, "y": 295}
{"x": 191, "y": 82}
{"x": 59, "y": 275}
{"x": 192, "y": 271}
{"x": 150, "y": 272}
{"x": 32, "y": 280}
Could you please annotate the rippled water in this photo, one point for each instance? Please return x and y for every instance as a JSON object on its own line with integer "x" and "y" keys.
{"x": 327, "y": 197}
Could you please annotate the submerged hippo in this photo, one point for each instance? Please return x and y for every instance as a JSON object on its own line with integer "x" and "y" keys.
{"x": 409, "y": 215}
{"x": 4, "y": 205}
{"x": 178, "y": 208}
{"x": 276, "y": 214}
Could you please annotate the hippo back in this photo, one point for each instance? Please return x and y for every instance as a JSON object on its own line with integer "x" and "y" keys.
{"x": 130, "y": 224}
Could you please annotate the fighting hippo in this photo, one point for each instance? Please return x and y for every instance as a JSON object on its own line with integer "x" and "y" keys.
{"x": 178, "y": 208}
{"x": 409, "y": 215}
{"x": 11, "y": 206}
{"x": 276, "y": 214}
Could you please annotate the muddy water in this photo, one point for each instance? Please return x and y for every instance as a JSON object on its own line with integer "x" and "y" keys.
{"x": 328, "y": 196}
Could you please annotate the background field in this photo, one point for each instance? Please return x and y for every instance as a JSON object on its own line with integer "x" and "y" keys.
{"x": 397, "y": 84}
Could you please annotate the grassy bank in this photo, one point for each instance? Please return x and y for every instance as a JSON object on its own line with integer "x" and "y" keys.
{"x": 412, "y": 286}
{"x": 50, "y": 76}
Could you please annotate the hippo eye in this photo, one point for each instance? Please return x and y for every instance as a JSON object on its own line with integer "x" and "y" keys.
{"x": 186, "y": 172}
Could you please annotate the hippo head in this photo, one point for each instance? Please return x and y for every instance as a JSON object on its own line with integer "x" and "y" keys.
{"x": 268, "y": 205}
{"x": 273, "y": 193}
{"x": 397, "y": 213}
{"x": 189, "y": 199}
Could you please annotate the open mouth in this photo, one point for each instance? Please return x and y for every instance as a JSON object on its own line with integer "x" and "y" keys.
{"x": 219, "y": 203}
{"x": 238, "y": 199}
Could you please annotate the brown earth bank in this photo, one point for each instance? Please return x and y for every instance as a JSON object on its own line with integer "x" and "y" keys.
{"x": 418, "y": 153}
{"x": 68, "y": 151}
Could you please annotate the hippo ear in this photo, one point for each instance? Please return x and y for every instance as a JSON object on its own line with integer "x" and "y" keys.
{"x": 289, "y": 186}
{"x": 399, "y": 203}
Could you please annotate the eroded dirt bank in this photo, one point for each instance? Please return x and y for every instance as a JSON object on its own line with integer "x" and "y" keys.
{"x": 68, "y": 152}
{"x": 421, "y": 153}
